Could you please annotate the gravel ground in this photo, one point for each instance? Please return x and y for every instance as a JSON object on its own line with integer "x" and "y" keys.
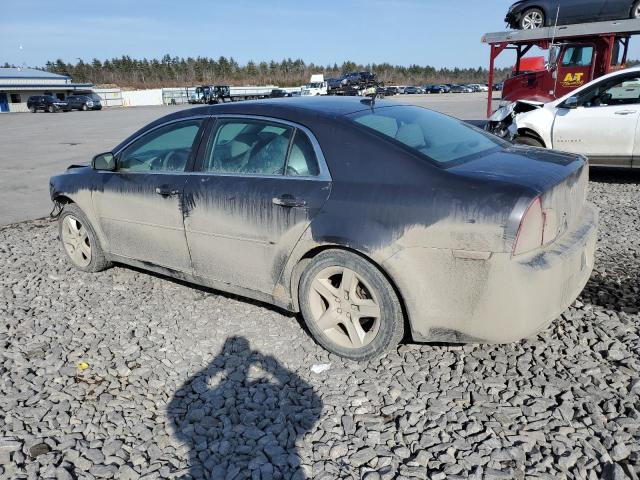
{"x": 128, "y": 375}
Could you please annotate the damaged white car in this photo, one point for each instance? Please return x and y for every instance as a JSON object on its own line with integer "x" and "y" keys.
{"x": 598, "y": 120}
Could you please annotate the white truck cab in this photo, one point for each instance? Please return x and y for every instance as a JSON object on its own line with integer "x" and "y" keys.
{"x": 316, "y": 86}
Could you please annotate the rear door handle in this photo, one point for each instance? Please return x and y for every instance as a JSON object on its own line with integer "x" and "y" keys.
{"x": 165, "y": 191}
{"x": 289, "y": 201}
{"x": 625, "y": 112}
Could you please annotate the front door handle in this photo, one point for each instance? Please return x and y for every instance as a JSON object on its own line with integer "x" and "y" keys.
{"x": 289, "y": 201}
{"x": 165, "y": 191}
{"x": 625, "y": 112}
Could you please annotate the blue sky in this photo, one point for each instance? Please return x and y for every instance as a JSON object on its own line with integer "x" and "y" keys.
{"x": 425, "y": 32}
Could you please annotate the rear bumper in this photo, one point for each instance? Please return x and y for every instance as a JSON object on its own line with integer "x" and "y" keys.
{"x": 499, "y": 300}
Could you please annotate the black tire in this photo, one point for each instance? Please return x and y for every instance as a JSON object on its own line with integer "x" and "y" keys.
{"x": 523, "y": 23}
{"x": 51, "y": 109}
{"x": 528, "y": 140}
{"x": 391, "y": 323}
{"x": 635, "y": 10}
{"x": 98, "y": 260}
{"x": 84, "y": 107}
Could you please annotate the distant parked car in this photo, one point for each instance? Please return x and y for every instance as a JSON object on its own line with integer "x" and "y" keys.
{"x": 279, "y": 93}
{"x": 401, "y": 90}
{"x": 531, "y": 14}
{"x": 498, "y": 87}
{"x": 90, "y": 101}
{"x": 461, "y": 89}
{"x": 477, "y": 87}
{"x": 438, "y": 89}
{"x": 410, "y": 90}
{"x": 391, "y": 91}
{"x": 46, "y": 103}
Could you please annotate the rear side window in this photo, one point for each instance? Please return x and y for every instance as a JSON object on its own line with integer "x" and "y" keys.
{"x": 257, "y": 147}
{"x": 249, "y": 147}
{"x": 437, "y": 137}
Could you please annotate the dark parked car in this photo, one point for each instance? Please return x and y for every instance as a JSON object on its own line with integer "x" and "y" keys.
{"x": 460, "y": 89}
{"x": 389, "y": 91}
{"x": 433, "y": 89}
{"x": 85, "y": 102}
{"x": 411, "y": 90}
{"x": 279, "y": 93}
{"x": 530, "y": 14}
{"x": 364, "y": 217}
{"x": 46, "y": 103}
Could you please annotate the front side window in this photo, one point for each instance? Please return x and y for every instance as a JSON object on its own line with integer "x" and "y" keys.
{"x": 165, "y": 149}
{"x": 577, "y": 56}
{"x": 248, "y": 147}
{"x": 439, "y": 138}
{"x": 623, "y": 90}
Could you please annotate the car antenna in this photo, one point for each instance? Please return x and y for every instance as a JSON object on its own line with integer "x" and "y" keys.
{"x": 553, "y": 39}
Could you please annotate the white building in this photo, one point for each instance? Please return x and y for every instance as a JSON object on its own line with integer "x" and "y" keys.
{"x": 18, "y": 84}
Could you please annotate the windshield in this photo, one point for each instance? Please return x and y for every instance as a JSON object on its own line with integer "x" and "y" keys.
{"x": 439, "y": 138}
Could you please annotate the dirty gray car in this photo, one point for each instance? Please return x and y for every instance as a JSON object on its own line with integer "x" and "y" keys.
{"x": 371, "y": 219}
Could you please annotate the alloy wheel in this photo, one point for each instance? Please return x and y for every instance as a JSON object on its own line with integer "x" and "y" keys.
{"x": 636, "y": 11}
{"x": 75, "y": 239}
{"x": 344, "y": 307}
{"x": 532, "y": 20}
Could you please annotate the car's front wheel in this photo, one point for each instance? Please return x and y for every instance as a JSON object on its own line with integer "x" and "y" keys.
{"x": 532, "y": 18}
{"x": 349, "y": 306}
{"x": 635, "y": 10}
{"x": 528, "y": 140}
{"x": 79, "y": 240}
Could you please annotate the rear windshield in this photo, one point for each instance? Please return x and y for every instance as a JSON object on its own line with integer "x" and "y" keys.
{"x": 439, "y": 138}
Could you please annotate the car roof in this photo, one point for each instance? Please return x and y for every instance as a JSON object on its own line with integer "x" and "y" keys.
{"x": 327, "y": 106}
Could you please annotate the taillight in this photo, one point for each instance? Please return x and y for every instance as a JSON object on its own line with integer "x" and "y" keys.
{"x": 531, "y": 232}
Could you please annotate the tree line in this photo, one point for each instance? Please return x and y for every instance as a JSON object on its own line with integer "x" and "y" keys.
{"x": 170, "y": 71}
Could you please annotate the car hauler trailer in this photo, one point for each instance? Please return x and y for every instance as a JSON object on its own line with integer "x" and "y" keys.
{"x": 223, "y": 93}
{"x": 577, "y": 55}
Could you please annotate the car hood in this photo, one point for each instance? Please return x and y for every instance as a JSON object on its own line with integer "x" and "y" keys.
{"x": 537, "y": 169}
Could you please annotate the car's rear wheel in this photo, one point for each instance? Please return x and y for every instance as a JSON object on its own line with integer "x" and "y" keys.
{"x": 51, "y": 109}
{"x": 84, "y": 107}
{"x": 349, "y": 306}
{"x": 635, "y": 10}
{"x": 32, "y": 109}
{"x": 532, "y": 18}
{"x": 79, "y": 240}
{"x": 528, "y": 140}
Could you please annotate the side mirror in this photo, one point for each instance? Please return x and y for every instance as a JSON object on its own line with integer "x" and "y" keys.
{"x": 104, "y": 161}
{"x": 571, "y": 103}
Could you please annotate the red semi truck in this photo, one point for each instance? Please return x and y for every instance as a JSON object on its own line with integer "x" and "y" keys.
{"x": 577, "y": 55}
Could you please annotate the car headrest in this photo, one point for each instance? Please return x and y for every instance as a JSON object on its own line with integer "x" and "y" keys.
{"x": 411, "y": 135}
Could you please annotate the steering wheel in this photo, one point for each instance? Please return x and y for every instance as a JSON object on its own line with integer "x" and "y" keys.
{"x": 292, "y": 172}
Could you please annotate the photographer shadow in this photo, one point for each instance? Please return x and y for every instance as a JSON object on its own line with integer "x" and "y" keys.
{"x": 240, "y": 416}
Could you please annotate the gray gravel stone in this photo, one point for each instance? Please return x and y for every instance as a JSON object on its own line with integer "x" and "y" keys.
{"x": 183, "y": 381}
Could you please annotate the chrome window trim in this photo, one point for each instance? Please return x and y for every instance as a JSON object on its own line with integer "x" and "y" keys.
{"x": 324, "y": 174}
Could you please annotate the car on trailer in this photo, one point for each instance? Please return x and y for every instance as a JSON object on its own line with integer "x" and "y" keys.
{"x": 367, "y": 216}
{"x": 532, "y": 14}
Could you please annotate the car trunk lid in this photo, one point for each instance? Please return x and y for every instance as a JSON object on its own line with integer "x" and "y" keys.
{"x": 559, "y": 179}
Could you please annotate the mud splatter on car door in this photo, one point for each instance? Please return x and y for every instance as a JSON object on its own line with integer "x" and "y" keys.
{"x": 259, "y": 186}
